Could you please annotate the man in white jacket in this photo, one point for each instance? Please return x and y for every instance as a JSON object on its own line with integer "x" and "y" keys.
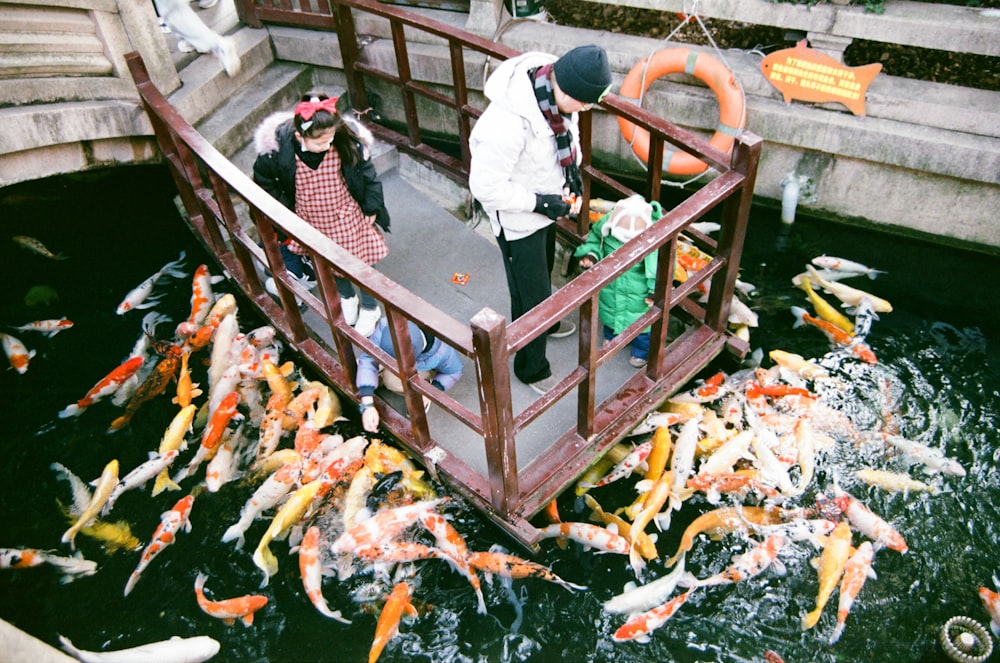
{"x": 525, "y": 172}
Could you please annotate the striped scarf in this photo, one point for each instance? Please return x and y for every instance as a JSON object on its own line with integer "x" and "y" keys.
{"x": 545, "y": 94}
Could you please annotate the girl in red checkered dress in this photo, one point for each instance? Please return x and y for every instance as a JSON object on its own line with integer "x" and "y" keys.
{"x": 317, "y": 164}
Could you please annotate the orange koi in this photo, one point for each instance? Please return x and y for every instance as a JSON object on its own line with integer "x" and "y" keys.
{"x": 639, "y": 626}
{"x": 991, "y": 601}
{"x": 731, "y": 482}
{"x": 387, "y": 627}
{"x": 212, "y": 434}
{"x": 856, "y": 571}
{"x": 711, "y": 385}
{"x": 312, "y": 574}
{"x": 186, "y": 389}
{"x": 151, "y": 387}
{"x": 106, "y": 386}
{"x": 17, "y": 353}
{"x": 228, "y": 610}
{"x": 48, "y": 327}
{"x": 512, "y": 566}
{"x": 397, "y": 552}
{"x": 171, "y": 522}
{"x": 836, "y": 335}
{"x": 723, "y": 520}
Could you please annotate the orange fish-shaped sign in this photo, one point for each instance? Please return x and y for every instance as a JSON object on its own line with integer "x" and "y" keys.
{"x": 809, "y": 75}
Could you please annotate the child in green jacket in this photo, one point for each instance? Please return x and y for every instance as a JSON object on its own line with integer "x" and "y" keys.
{"x": 629, "y": 296}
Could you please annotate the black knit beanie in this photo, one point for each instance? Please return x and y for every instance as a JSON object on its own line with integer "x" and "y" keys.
{"x": 584, "y": 73}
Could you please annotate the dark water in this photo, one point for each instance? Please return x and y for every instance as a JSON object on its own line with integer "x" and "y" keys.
{"x": 938, "y": 354}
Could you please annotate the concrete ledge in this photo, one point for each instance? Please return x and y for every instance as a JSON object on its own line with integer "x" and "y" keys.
{"x": 17, "y": 645}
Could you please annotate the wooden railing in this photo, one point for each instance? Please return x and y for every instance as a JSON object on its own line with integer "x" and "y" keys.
{"x": 209, "y": 184}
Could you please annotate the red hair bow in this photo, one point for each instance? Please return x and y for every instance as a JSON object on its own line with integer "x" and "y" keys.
{"x": 306, "y": 109}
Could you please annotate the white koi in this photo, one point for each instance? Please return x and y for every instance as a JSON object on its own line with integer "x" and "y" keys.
{"x": 384, "y": 526}
{"x": 846, "y": 267}
{"x": 175, "y": 650}
{"x": 930, "y": 457}
{"x": 847, "y": 295}
{"x": 139, "y": 476}
{"x": 454, "y": 550}
{"x": 650, "y": 595}
{"x": 267, "y": 495}
{"x": 139, "y": 296}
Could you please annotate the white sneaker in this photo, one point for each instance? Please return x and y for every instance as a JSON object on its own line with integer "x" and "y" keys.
{"x": 228, "y": 55}
{"x": 544, "y": 386}
{"x": 349, "y": 307}
{"x": 184, "y": 46}
{"x": 367, "y": 319}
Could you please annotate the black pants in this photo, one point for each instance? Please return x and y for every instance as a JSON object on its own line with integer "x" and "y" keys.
{"x": 528, "y": 263}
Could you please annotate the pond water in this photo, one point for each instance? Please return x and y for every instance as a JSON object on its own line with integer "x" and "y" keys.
{"x": 937, "y": 380}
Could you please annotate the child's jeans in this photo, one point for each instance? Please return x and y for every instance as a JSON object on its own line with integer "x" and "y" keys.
{"x": 639, "y": 347}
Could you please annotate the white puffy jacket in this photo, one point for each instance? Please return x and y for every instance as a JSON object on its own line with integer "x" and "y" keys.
{"x": 514, "y": 150}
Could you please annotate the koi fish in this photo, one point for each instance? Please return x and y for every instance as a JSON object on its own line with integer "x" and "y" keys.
{"x": 991, "y": 601}
{"x": 48, "y": 327}
{"x": 186, "y": 389}
{"x": 639, "y": 626}
{"x": 387, "y": 627}
{"x": 221, "y": 469}
{"x": 591, "y": 536}
{"x": 171, "y": 523}
{"x": 139, "y": 476}
{"x": 138, "y": 297}
{"x": 830, "y": 567}
{"x": 312, "y": 574}
{"x": 173, "y": 440}
{"x": 24, "y": 558}
{"x": 627, "y": 465}
{"x": 853, "y": 99}
{"x": 154, "y": 385}
{"x": 651, "y": 505}
{"x": 268, "y": 494}
{"x": 105, "y": 484}
{"x": 893, "y": 481}
{"x": 453, "y": 549}
{"x": 35, "y": 246}
{"x": 643, "y": 543}
{"x": 835, "y": 334}
{"x": 681, "y": 465}
{"x": 17, "y": 353}
{"x": 212, "y": 435}
{"x": 748, "y": 565}
{"x": 823, "y": 308}
{"x": 848, "y": 267}
{"x": 723, "y": 520}
{"x": 512, "y": 566}
{"x": 648, "y": 596}
{"x": 847, "y": 295}
{"x": 107, "y": 385}
{"x": 290, "y": 513}
{"x": 228, "y": 610}
{"x": 930, "y": 457}
{"x": 868, "y": 522}
{"x": 202, "y": 297}
{"x": 175, "y": 650}
{"x": 383, "y": 526}
{"x": 798, "y": 364}
{"x": 856, "y": 571}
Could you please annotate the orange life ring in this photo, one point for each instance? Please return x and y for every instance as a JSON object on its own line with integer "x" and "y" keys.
{"x": 710, "y": 71}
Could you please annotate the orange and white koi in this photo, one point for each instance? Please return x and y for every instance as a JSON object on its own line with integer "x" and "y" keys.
{"x": 454, "y": 550}
{"x": 176, "y": 650}
{"x": 387, "y": 626}
{"x": 139, "y": 296}
{"x": 748, "y": 565}
{"x": 312, "y": 574}
{"x": 105, "y": 484}
{"x": 222, "y": 467}
{"x": 212, "y": 435}
{"x": 290, "y": 513}
{"x": 384, "y": 526}
{"x": 35, "y": 246}
{"x": 139, "y": 476}
{"x": 710, "y": 390}
{"x": 829, "y": 567}
{"x": 868, "y": 522}
{"x": 17, "y": 353}
{"x": 24, "y": 558}
{"x": 511, "y": 566}
{"x": 856, "y": 571}
{"x": 740, "y": 482}
{"x": 107, "y": 385}
{"x": 599, "y": 538}
{"x": 835, "y": 334}
{"x": 154, "y": 385}
{"x": 639, "y": 626}
{"x": 228, "y": 610}
{"x": 48, "y": 327}
{"x": 172, "y": 522}
{"x": 991, "y": 601}
{"x": 268, "y": 494}
{"x": 623, "y": 469}
{"x": 645, "y": 597}
{"x": 202, "y": 297}
{"x": 847, "y": 267}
